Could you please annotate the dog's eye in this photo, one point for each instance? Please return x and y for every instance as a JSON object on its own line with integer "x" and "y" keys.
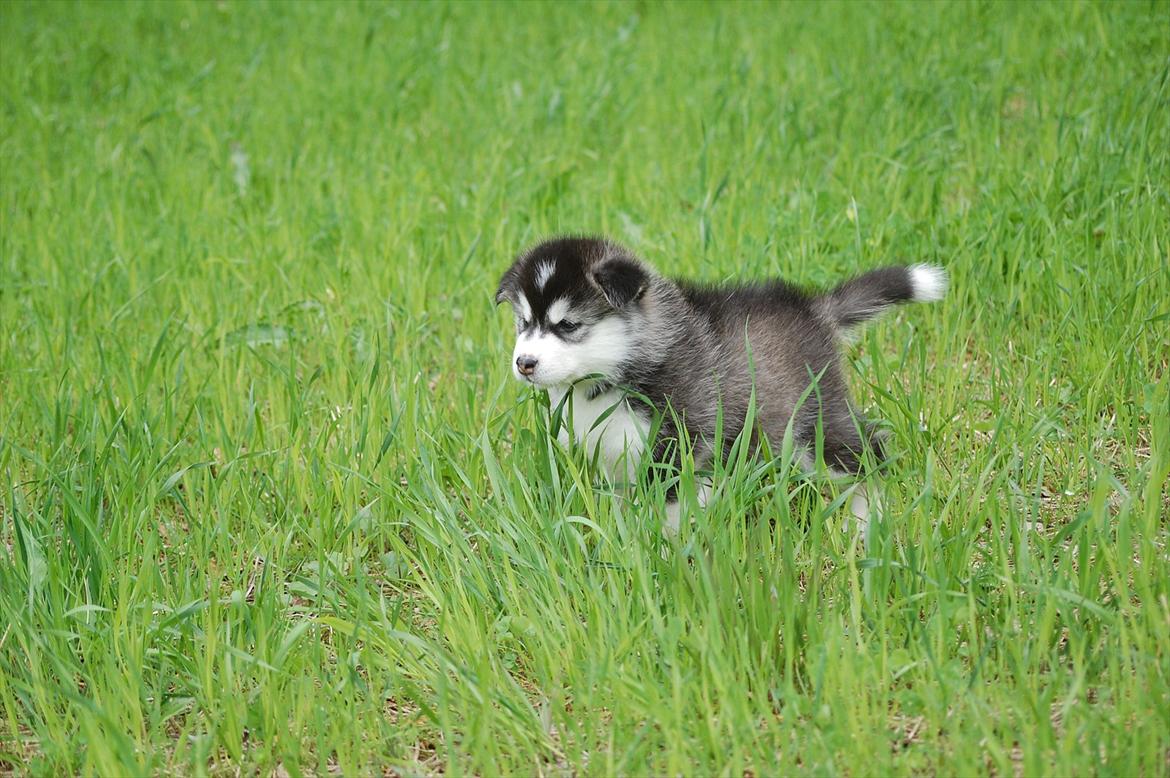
{"x": 523, "y": 324}
{"x": 568, "y": 326}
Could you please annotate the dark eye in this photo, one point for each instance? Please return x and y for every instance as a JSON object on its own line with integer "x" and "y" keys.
{"x": 524, "y": 324}
{"x": 568, "y": 326}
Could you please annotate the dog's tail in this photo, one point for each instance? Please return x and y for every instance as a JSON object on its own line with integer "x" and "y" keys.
{"x": 871, "y": 294}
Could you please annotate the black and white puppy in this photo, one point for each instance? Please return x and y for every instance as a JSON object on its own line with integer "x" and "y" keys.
{"x": 602, "y": 332}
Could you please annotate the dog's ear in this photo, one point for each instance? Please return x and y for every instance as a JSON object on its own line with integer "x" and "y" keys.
{"x": 507, "y": 289}
{"x": 622, "y": 281}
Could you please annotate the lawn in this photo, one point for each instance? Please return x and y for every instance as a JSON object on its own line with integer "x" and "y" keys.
{"x": 271, "y": 503}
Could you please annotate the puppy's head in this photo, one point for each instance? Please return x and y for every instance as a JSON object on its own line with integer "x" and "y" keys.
{"x": 575, "y": 300}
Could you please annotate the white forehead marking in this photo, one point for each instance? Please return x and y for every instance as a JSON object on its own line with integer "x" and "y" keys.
{"x": 557, "y": 310}
{"x": 544, "y": 272}
{"x": 523, "y": 308}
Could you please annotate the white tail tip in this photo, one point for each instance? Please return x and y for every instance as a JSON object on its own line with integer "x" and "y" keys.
{"x": 929, "y": 283}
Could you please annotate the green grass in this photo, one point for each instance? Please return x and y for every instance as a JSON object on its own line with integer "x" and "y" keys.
{"x": 271, "y": 500}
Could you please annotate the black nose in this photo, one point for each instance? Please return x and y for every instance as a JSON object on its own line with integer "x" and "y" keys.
{"x": 526, "y": 365}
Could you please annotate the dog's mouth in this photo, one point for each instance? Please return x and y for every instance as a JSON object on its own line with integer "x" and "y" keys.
{"x": 536, "y": 381}
{"x": 530, "y": 378}
{"x": 539, "y": 379}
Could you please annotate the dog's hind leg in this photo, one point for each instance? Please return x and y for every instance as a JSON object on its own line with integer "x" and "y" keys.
{"x": 844, "y": 445}
{"x": 864, "y": 506}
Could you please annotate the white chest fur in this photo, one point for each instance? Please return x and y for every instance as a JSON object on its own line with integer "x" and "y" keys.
{"x": 619, "y": 439}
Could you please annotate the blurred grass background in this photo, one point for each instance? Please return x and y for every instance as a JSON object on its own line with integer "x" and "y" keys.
{"x": 272, "y": 504}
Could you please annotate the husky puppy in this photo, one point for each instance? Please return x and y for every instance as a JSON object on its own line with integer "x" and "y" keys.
{"x": 602, "y": 332}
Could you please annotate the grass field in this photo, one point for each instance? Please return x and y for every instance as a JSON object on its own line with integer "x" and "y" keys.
{"x": 272, "y": 504}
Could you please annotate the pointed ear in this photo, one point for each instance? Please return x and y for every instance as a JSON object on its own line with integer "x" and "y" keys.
{"x": 621, "y": 281}
{"x": 507, "y": 289}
